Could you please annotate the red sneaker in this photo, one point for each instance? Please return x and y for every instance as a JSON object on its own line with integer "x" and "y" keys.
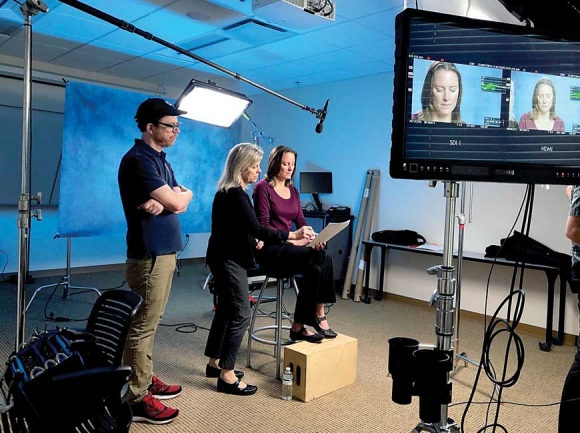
{"x": 153, "y": 411}
{"x": 161, "y": 391}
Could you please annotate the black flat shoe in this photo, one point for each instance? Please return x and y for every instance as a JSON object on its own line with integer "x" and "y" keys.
{"x": 232, "y": 388}
{"x": 326, "y": 333}
{"x": 215, "y": 372}
{"x": 299, "y": 336}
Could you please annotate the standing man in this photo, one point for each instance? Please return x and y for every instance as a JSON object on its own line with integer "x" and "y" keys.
{"x": 570, "y": 405}
{"x": 151, "y": 198}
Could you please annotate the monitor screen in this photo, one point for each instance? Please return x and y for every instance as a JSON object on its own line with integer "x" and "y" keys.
{"x": 316, "y": 182}
{"x": 484, "y": 101}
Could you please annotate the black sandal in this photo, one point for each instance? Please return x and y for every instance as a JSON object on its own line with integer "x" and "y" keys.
{"x": 326, "y": 333}
{"x": 299, "y": 336}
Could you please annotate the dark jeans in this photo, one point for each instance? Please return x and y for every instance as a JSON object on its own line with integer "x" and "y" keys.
{"x": 317, "y": 281}
{"x": 569, "y": 410}
{"x": 232, "y": 315}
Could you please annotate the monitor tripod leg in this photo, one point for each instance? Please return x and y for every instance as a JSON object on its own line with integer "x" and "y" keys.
{"x": 451, "y": 427}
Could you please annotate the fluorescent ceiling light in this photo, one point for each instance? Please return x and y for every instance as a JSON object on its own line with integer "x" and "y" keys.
{"x": 211, "y": 104}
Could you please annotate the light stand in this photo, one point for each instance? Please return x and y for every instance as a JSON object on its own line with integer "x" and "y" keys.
{"x": 461, "y": 232}
{"x": 425, "y": 372}
{"x": 257, "y": 134}
{"x": 28, "y": 9}
{"x": 444, "y": 299}
{"x": 65, "y": 281}
{"x": 124, "y": 25}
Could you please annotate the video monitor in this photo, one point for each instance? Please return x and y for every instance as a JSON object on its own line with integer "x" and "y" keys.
{"x": 483, "y": 101}
{"x": 316, "y": 182}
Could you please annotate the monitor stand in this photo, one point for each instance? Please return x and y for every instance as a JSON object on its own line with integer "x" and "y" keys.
{"x": 317, "y": 201}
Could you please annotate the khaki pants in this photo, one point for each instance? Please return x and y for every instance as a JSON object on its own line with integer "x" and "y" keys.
{"x": 151, "y": 279}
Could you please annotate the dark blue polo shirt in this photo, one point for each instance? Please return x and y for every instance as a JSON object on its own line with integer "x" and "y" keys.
{"x": 143, "y": 170}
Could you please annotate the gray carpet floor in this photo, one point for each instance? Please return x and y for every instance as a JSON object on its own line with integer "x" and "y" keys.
{"x": 530, "y": 405}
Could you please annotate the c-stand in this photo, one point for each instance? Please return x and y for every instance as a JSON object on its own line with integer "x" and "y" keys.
{"x": 28, "y": 9}
{"x": 425, "y": 372}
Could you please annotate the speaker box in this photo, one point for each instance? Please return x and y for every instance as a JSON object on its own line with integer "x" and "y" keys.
{"x": 339, "y": 248}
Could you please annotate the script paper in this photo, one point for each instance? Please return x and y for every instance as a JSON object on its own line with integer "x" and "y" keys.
{"x": 328, "y": 232}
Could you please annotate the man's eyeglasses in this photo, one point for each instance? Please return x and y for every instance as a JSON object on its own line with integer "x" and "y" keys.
{"x": 174, "y": 126}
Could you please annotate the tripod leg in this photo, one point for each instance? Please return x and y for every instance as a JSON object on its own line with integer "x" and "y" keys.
{"x": 424, "y": 427}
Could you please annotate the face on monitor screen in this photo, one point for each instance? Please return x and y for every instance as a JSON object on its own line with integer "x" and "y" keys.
{"x": 477, "y": 100}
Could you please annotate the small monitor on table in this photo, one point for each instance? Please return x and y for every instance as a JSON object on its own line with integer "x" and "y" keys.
{"x": 316, "y": 182}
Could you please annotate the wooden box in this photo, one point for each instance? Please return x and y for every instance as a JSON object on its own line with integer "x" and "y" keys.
{"x": 321, "y": 368}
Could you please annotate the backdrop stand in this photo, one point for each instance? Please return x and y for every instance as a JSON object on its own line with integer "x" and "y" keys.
{"x": 28, "y": 9}
{"x": 65, "y": 281}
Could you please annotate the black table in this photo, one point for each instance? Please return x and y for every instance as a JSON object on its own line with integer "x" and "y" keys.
{"x": 551, "y": 272}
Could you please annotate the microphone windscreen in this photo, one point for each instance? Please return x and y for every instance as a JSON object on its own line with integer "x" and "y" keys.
{"x": 319, "y": 127}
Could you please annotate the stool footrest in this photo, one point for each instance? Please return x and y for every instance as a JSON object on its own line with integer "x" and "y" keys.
{"x": 254, "y": 337}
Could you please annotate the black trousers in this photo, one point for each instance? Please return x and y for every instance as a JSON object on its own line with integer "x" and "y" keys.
{"x": 317, "y": 276}
{"x": 569, "y": 410}
{"x": 232, "y": 315}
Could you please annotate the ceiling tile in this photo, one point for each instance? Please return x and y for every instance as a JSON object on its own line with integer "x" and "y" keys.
{"x": 260, "y": 57}
{"x": 180, "y": 26}
{"x": 40, "y": 51}
{"x": 177, "y": 78}
{"x": 91, "y": 58}
{"x": 341, "y": 59}
{"x": 127, "y": 10}
{"x": 346, "y": 35}
{"x": 383, "y": 50}
{"x": 179, "y": 61}
{"x": 301, "y": 46}
{"x": 371, "y": 68}
{"x": 222, "y": 48}
{"x": 383, "y": 22}
{"x": 355, "y": 9}
{"x": 75, "y": 28}
{"x": 309, "y": 80}
{"x": 121, "y": 40}
{"x": 296, "y": 68}
{"x": 235, "y": 64}
{"x": 138, "y": 68}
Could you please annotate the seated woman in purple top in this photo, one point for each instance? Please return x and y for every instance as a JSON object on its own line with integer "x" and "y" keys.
{"x": 543, "y": 115}
{"x": 277, "y": 206}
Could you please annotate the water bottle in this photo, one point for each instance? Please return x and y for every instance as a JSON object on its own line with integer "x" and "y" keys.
{"x": 287, "y": 379}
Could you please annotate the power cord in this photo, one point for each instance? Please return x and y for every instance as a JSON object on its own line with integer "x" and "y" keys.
{"x": 178, "y": 256}
{"x": 310, "y": 206}
{"x": 52, "y": 318}
{"x": 509, "y": 324}
{"x": 5, "y": 264}
{"x": 183, "y": 327}
{"x": 514, "y": 403}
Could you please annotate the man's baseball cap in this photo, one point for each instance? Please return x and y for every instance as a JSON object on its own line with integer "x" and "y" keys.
{"x": 153, "y": 109}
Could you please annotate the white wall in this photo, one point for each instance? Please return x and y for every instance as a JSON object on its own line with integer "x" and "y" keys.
{"x": 356, "y": 137}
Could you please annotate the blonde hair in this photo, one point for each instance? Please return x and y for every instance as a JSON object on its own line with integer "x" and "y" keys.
{"x": 241, "y": 157}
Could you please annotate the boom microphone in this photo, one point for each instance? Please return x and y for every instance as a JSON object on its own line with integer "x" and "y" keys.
{"x": 322, "y": 117}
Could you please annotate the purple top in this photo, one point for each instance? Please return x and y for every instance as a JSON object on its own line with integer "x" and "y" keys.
{"x": 527, "y": 123}
{"x": 274, "y": 211}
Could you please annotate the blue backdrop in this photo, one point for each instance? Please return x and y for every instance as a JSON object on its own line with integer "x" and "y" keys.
{"x": 98, "y": 129}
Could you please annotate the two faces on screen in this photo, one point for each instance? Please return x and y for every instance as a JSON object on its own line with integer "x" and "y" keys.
{"x": 443, "y": 89}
